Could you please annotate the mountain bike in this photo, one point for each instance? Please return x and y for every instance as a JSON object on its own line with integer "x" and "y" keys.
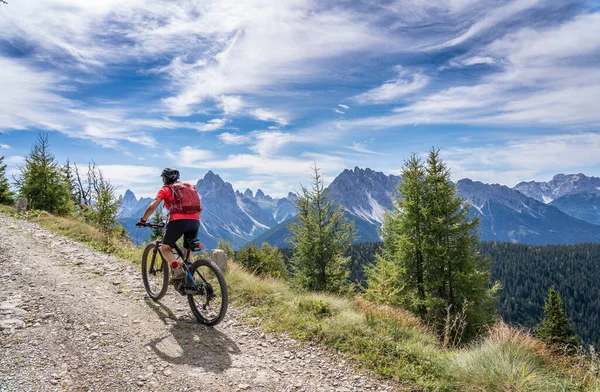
{"x": 204, "y": 283}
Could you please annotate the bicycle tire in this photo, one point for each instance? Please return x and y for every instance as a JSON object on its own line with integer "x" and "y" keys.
{"x": 213, "y": 316}
{"x": 161, "y": 290}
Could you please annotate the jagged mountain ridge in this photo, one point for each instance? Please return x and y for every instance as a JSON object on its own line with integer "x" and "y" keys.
{"x": 227, "y": 214}
{"x": 506, "y": 214}
{"x": 365, "y": 193}
{"x": 560, "y": 185}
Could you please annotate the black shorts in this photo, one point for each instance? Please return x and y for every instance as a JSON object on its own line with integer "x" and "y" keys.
{"x": 188, "y": 228}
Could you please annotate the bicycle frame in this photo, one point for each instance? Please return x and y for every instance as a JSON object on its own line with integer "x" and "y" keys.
{"x": 180, "y": 253}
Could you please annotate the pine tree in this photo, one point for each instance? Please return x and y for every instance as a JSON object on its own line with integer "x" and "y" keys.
{"x": 555, "y": 328}
{"x": 6, "y": 196}
{"x": 430, "y": 248}
{"x": 105, "y": 208}
{"x": 320, "y": 238}
{"x": 402, "y": 254}
{"x": 42, "y": 181}
{"x": 456, "y": 275}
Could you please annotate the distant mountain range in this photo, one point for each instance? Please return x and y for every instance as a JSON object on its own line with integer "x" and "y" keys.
{"x": 564, "y": 210}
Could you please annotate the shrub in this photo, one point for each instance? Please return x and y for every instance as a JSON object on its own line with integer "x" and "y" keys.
{"x": 319, "y": 308}
{"x": 265, "y": 261}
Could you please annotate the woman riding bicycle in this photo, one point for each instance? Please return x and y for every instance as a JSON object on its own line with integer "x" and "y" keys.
{"x": 183, "y": 202}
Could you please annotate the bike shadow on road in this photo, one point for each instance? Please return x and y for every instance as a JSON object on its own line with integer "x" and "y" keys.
{"x": 199, "y": 346}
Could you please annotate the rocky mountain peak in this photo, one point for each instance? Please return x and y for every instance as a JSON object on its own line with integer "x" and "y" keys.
{"x": 212, "y": 185}
{"x": 129, "y": 197}
{"x": 560, "y": 185}
{"x": 248, "y": 193}
{"x": 260, "y": 194}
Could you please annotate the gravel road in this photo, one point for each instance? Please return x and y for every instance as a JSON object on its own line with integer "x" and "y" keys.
{"x": 74, "y": 319}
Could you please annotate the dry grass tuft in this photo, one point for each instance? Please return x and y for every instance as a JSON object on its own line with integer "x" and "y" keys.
{"x": 503, "y": 333}
{"x": 384, "y": 312}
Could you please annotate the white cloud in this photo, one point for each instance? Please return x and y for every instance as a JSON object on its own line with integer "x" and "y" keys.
{"x": 12, "y": 165}
{"x": 263, "y": 47}
{"x": 493, "y": 17}
{"x": 266, "y": 143}
{"x": 270, "y": 115}
{"x": 231, "y": 138}
{"x": 536, "y": 83}
{"x": 403, "y": 84}
{"x": 231, "y": 104}
{"x": 361, "y": 148}
{"x": 5, "y": 146}
{"x": 268, "y": 165}
{"x": 346, "y": 107}
{"x": 30, "y": 97}
{"x": 166, "y": 123}
{"x": 338, "y": 111}
{"x": 131, "y": 174}
{"x": 522, "y": 159}
{"x": 189, "y": 156}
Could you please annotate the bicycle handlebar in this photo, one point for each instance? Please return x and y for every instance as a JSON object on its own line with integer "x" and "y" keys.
{"x": 160, "y": 225}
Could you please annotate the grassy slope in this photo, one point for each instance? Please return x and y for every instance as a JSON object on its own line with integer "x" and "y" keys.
{"x": 391, "y": 342}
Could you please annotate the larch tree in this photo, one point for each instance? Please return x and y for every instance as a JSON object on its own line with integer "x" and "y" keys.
{"x": 6, "y": 195}
{"x": 42, "y": 181}
{"x": 320, "y": 238}
{"x": 430, "y": 249}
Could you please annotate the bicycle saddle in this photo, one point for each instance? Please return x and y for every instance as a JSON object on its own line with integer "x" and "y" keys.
{"x": 194, "y": 245}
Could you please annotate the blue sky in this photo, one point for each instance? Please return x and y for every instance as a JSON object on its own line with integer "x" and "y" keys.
{"x": 259, "y": 90}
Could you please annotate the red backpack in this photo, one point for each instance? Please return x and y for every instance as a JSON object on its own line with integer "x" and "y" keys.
{"x": 185, "y": 198}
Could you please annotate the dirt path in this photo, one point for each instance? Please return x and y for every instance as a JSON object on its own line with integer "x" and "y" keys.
{"x": 75, "y": 319}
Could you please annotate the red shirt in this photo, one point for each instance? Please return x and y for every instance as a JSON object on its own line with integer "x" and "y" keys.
{"x": 166, "y": 194}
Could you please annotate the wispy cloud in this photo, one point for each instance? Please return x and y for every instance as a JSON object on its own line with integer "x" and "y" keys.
{"x": 271, "y": 116}
{"x": 525, "y": 158}
{"x": 361, "y": 148}
{"x": 491, "y": 19}
{"x": 403, "y": 84}
{"x": 232, "y": 138}
{"x": 345, "y": 107}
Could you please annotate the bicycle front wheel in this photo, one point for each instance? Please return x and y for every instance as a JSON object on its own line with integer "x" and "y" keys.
{"x": 209, "y": 304}
{"x": 155, "y": 272}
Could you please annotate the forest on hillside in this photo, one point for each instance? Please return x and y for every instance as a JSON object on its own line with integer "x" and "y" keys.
{"x": 526, "y": 273}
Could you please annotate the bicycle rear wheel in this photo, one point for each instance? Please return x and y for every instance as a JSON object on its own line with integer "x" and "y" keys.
{"x": 155, "y": 272}
{"x": 209, "y": 304}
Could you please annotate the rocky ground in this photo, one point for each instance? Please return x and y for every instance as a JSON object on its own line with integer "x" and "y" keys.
{"x": 74, "y": 319}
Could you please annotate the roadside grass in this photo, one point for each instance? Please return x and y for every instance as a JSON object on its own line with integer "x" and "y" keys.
{"x": 396, "y": 344}
{"x": 76, "y": 229}
{"x": 507, "y": 359}
{"x": 391, "y": 342}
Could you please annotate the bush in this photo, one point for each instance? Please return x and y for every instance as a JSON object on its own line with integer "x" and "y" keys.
{"x": 265, "y": 261}
{"x": 315, "y": 306}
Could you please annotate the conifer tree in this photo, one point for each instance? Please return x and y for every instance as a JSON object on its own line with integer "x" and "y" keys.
{"x": 430, "y": 248}
{"x": 402, "y": 255}
{"x": 555, "y": 328}
{"x": 6, "y": 196}
{"x": 105, "y": 207}
{"x": 456, "y": 275}
{"x": 320, "y": 238}
{"x": 42, "y": 181}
